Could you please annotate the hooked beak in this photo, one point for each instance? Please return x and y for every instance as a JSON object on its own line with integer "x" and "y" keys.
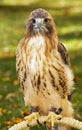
{"x": 39, "y": 23}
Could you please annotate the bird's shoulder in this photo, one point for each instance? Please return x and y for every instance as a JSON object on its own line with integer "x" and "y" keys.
{"x": 21, "y": 42}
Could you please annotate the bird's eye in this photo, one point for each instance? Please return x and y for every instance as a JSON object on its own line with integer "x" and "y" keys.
{"x": 33, "y": 20}
{"x": 45, "y": 20}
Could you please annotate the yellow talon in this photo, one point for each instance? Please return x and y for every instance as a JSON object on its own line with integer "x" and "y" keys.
{"x": 52, "y": 117}
{"x": 31, "y": 117}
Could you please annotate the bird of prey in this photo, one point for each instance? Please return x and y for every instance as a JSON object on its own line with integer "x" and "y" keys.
{"x": 43, "y": 68}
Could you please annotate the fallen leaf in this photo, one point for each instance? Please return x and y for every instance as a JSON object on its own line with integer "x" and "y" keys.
{"x": 77, "y": 78}
{"x": 25, "y": 112}
{"x": 6, "y": 79}
{"x": 2, "y": 111}
{"x": 8, "y": 122}
{"x": 10, "y": 95}
{"x": 16, "y": 120}
{"x": 15, "y": 82}
{"x": 13, "y": 121}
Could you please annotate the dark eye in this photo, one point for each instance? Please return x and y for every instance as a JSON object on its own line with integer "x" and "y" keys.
{"x": 45, "y": 20}
{"x": 33, "y": 20}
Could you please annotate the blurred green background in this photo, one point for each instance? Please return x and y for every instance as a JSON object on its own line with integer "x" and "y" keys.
{"x": 13, "y": 15}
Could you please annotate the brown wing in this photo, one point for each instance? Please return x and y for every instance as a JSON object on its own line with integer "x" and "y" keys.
{"x": 20, "y": 65}
{"x": 64, "y": 54}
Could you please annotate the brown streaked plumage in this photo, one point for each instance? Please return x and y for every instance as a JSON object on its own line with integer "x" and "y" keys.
{"x": 43, "y": 67}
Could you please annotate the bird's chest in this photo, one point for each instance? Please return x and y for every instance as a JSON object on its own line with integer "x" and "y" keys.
{"x": 35, "y": 62}
{"x": 35, "y": 55}
{"x": 46, "y": 72}
{"x": 37, "y": 58}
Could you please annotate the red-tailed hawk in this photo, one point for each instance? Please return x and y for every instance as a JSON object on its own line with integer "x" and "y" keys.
{"x": 43, "y": 67}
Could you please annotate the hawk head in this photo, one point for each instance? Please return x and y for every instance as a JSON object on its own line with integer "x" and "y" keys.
{"x": 40, "y": 22}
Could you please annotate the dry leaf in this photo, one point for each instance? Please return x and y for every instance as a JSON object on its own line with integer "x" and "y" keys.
{"x": 6, "y": 79}
{"x": 15, "y": 82}
{"x": 77, "y": 78}
{"x": 8, "y": 122}
{"x": 25, "y": 112}
{"x": 2, "y": 111}
{"x": 10, "y": 95}
{"x": 17, "y": 120}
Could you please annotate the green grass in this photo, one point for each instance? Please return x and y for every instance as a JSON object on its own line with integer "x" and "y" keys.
{"x": 68, "y": 19}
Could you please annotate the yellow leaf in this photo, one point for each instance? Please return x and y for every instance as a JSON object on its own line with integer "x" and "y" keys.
{"x": 15, "y": 82}
{"x": 8, "y": 122}
{"x": 10, "y": 95}
{"x": 17, "y": 120}
{"x": 6, "y": 79}
{"x": 2, "y": 111}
